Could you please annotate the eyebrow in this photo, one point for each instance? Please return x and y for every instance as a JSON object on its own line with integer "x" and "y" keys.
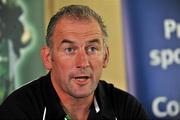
{"x": 72, "y": 42}
{"x": 94, "y": 41}
{"x": 67, "y": 41}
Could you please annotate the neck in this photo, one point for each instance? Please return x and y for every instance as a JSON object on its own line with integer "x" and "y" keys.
{"x": 76, "y": 108}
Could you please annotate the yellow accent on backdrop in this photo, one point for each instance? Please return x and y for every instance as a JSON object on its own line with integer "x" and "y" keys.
{"x": 110, "y": 10}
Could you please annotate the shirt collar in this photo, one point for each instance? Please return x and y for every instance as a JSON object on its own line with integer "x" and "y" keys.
{"x": 52, "y": 104}
{"x": 104, "y": 103}
{"x": 96, "y": 106}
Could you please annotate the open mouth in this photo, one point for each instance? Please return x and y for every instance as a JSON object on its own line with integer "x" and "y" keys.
{"x": 82, "y": 78}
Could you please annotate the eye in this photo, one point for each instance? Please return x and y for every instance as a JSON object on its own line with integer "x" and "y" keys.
{"x": 91, "y": 49}
{"x": 69, "y": 50}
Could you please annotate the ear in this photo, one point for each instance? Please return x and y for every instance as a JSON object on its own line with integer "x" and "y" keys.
{"x": 46, "y": 57}
{"x": 106, "y": 57}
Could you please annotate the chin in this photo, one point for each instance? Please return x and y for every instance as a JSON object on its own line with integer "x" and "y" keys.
{"x": 82, "y": 95}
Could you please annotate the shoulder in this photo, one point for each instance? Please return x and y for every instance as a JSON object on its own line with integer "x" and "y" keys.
{"x": 109, "y": 89}
{"x": 125, "y": 105}
{"x": 24, "y": 99}
{"x": 30, "y": 89}
{"x": 117, "y": 95}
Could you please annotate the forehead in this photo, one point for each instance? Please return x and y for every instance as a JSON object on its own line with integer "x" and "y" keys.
{"x": 77, "y": 29}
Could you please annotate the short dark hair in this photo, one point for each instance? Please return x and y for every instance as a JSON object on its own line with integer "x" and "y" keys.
{"x": 76, "y": 12}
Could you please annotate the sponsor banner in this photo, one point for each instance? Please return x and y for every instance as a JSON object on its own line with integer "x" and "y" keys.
{"x": 152, "y": 44}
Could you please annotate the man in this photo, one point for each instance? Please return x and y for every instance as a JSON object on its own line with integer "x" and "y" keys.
{"x": 75, "y": 56}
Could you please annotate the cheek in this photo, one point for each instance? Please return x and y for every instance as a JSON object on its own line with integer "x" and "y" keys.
{"x": 97, "y": 65}
{"x": 97, "y": 61}
{"x": 61, "y": 71}
{"x": 63, "y": 66}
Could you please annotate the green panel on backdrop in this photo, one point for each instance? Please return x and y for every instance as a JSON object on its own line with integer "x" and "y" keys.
{"x": 21, "y": 37}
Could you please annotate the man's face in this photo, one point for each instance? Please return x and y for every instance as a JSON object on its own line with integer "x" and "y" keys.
{"x": 78, "y": 56}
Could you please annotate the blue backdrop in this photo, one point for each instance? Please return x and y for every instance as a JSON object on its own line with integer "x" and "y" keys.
{"x": 152, "y": 42}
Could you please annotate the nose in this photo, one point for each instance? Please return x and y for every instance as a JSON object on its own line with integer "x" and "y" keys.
{"x": 82, "y": 60}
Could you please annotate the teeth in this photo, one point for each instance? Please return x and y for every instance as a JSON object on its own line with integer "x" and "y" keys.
{"x": 81, "y": 77}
